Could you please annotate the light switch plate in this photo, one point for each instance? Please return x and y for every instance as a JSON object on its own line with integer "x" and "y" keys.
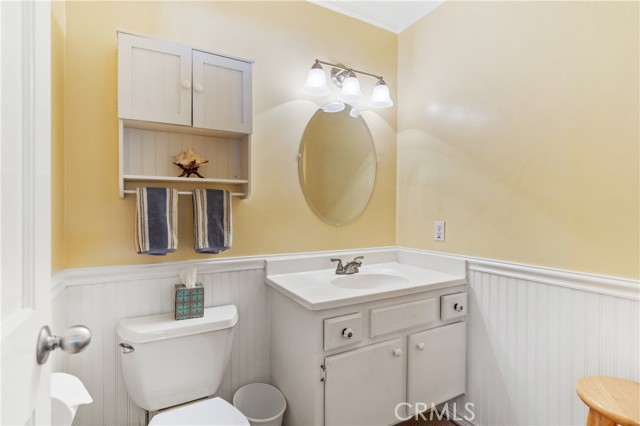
{"x": 438, "y": 230}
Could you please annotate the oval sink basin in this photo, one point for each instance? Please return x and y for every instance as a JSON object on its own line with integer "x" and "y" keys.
{"x": 368, "y": 280}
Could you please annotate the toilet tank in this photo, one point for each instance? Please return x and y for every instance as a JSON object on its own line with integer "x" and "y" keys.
{"x": 171, "y": 362}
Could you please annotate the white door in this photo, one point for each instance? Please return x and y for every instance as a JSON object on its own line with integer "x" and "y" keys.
{"x": 154, "y": 80}
{"x": 437, "y": 370}
{"x": 25, "y": 209}
{"x": 221, "y": 93}
{"x": 364, "y": 386}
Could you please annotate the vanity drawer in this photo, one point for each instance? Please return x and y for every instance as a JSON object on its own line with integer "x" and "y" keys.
{"x": 453, "y": 306}
{"x": 342, "y": 331}
{"x": 402, "y": 316}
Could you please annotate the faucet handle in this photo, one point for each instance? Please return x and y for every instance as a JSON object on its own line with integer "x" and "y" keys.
{"x": 340, "y": 267}
{"x": 358, "y": 258}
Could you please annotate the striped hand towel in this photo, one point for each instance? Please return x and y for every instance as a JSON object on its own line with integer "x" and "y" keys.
{"x": 211, "y": 220}
{"x": 156, "y": 221}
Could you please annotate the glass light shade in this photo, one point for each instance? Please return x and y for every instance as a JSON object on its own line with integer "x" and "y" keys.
{"x": 380, "y": 97}
{"x": 351, "y": 90}
{"x": 316, "y": 83}
{"x": 335, "y": 106}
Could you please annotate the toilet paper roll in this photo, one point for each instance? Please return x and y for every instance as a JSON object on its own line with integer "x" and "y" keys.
{"x": 67, "y": 393}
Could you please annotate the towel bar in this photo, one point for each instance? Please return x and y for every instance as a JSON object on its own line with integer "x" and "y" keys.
{"x": 233, "y": 194}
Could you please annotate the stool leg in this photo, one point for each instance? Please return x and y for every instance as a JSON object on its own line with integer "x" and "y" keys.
{"x": 596, "y": 419}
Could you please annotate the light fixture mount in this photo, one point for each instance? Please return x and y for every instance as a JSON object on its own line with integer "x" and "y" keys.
{"x": 339, "y": 74}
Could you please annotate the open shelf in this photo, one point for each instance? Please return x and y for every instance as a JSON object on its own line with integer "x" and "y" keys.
{"x": 193, "y": 180}
{"x": 146, "y": 156}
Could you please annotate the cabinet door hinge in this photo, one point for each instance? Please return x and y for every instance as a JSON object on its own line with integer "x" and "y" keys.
{"x": 323, "y": 373}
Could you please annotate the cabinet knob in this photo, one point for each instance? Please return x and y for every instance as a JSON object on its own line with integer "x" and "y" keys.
{"x": 458, "y": 307}
{"x": 186, "y": 84}
{"x": 347, "y": 333}
{"x": 198, "y": 87}
{"x": 397, "y": 352}
{"x": 420, "y": 346}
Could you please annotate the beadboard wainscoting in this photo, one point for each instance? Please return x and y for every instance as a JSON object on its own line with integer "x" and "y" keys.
{"x": 533, "y": 332}
{"x": 100, "y": 299}
{"x": 58, "y": 321}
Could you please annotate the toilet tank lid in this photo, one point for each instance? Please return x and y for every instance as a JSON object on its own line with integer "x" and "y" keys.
{"x": 164, "y": 326}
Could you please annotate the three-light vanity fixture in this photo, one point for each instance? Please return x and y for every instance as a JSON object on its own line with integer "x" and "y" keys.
{"x": 346, "y": 79}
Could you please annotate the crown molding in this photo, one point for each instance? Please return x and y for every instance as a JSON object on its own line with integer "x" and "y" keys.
{"x": 358, "y": 10}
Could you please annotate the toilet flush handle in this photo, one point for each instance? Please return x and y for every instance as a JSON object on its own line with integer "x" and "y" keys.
{"x": 126, "y": 348}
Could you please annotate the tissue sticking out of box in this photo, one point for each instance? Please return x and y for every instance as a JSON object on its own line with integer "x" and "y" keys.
{"x": 188, "y": 277}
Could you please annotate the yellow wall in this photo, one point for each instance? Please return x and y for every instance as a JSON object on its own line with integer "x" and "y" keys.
{"x": 57, "y": 134}
{"x": 518, "y": 125}
{"x": 283, "y": 38}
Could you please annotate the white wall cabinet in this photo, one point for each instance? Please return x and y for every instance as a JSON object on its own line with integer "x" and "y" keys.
{"x": 353, "y": 365}
{"x": 221, "y": 93}
{"x": 172, "y": 97}
{"x": 154, "y": 80}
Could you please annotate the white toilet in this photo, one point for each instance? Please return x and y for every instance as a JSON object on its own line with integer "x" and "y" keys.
{"x": 167, "y": 364}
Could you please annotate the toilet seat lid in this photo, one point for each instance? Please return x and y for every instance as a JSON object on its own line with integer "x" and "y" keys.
{"x": 214, "y": 411}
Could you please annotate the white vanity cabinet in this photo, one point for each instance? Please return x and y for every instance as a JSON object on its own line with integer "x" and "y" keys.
{"x": 360, "y": 364}
{"x": 172, "y": 97}
{"x": 429, "y": 350}
{"x": 365, "y": 384}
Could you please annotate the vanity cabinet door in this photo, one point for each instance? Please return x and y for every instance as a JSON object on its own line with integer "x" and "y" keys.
{"x": 363, "y": 386}
{"x": 154, "y": 80}
{"x": 221, "y": 93}
{"x": 437, "y": 366}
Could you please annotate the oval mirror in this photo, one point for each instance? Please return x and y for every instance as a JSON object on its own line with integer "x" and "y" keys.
{"x": 337, "y": 163}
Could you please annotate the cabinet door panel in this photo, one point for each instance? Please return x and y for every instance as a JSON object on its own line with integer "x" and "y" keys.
{"x": 364, "y": 385}
{"x": 437, "y": 369}
{"x": 154, "y": 80}
{"x": 221, "y": 93}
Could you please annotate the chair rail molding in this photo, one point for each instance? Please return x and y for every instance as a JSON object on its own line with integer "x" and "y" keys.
{"x": 619, "y": 287}
{"x": 446, "y": 262}
{"x": 107, "y": 274}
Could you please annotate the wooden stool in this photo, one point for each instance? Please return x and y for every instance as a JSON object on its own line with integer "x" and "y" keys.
{"x": 610, "y": 400}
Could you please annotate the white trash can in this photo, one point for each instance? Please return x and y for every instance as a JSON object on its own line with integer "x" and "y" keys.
{"x": 262, "y": 404}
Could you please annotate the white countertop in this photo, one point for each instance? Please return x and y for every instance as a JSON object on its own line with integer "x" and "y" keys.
{"x": 314, "y": 291}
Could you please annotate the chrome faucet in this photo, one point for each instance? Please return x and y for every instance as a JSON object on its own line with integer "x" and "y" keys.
{"x": 350, "y": 268}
